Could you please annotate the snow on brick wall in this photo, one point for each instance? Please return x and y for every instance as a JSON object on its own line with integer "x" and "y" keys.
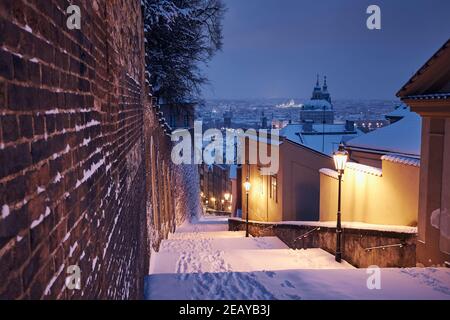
{"x": 187, "y": 193}
{"x": 173, "y": 191}
{"x": 75, "y": 174}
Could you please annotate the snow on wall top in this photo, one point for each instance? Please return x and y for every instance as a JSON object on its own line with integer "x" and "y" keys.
{"x": 329, "y": 172}
{"x": 401, "y": 159}
{"x": 345, "y": 224}
{"x": 363, "y": 168}
{"x": 401, "y": 111}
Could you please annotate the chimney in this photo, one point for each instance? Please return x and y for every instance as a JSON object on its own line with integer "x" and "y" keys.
{"x": 308, "y": 126}
{"x": 349, "y": 125}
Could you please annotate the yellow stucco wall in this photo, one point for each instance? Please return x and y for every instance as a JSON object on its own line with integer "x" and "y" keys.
{"x": 391, "y": 198}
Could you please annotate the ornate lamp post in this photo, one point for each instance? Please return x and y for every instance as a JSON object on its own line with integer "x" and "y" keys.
{"x": 247, "y": 186}
{"x": 340, "y": 160}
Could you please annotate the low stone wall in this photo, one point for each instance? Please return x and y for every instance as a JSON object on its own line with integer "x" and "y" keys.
{"x": 354, "y": 242}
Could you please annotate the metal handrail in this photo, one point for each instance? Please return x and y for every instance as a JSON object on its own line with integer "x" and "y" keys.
{"x": 269, "y": 227}
{"x": 306, "y": 234}
{"x": 399, "y": 245}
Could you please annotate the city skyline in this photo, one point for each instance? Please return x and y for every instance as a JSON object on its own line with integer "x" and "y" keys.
{"x": 273, "y": 54}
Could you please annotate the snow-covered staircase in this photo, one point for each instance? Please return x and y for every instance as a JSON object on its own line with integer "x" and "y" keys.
{"x": 203, "y": 260}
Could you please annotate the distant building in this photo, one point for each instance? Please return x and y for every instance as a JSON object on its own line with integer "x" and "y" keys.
{"x": 264, "y": 121}
{"x": 319, "y": 108}
{"x": 280, "y": 124}
{"x": 385, "y": 195}
{"x": 290, "y": 194}
{"x": 371, "y": 125}
{"x": 401, "y": 138}
{"x": 324, "y": 138}
{"x": 227, "y": 116}
{"x": 236, "y": 190}
{"x": 215, "y": 184}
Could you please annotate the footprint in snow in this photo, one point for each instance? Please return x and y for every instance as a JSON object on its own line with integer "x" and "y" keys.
{"x": 288, "y": 284}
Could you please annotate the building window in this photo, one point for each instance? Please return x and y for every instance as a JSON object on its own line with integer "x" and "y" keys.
{"x": 274, "y": 188}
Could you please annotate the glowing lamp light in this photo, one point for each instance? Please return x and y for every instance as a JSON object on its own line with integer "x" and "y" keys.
{"x": 247, "y": 186}
{"x": 226, "y": 196}
{"x": 340, "y": 158}
{"x": 213, "y": 199}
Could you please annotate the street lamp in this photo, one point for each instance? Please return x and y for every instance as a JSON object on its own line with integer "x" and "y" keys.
{"x": 247, "y": 186}
{"x": 227, "y": 198}
{"x": 340, "y": 160}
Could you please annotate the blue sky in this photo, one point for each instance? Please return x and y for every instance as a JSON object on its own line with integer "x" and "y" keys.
{"x": 275, "y": 48}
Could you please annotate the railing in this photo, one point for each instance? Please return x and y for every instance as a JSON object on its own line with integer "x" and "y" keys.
{"x": 306, "y": 234}
{"x": 398, "y": 245}
{"x": 267, "y": 228}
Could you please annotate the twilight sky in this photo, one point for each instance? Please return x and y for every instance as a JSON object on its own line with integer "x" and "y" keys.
{"x": 275, "y": 48}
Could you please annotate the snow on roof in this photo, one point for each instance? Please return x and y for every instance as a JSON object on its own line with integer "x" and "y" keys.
{"x": 402, "y": 137}
{"x": 434, "y": 96}
{"x": 329, "y": 172}
{"x": 400, "y": 111}
{"x": 402, "y": 159}
{"x": 363, "y": 168}
{"x": 323, "y": 143}
{"x": 327, "y": 144}
{"x": 270, "y": 139}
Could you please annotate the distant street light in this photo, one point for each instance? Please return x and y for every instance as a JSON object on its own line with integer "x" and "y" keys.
{"x": 247, "y": 186}
{"x": 340, "y": 160}
{"x": 227, "y": 198}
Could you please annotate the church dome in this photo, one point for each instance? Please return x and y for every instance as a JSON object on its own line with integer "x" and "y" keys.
{"x": 317, "y": 104}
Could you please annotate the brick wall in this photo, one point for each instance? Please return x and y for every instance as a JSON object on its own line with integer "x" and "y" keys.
{"x": 76, "y": 180}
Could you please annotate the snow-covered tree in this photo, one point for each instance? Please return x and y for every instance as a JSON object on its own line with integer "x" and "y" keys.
{"x": 181, "y": 35}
